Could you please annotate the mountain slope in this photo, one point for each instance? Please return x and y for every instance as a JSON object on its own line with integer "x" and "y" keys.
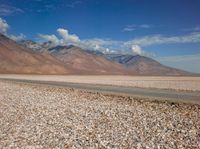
{"x": 17, "y": 59}
{"x": 30, "y": 44}
{"x": 85, "y": 62}
{"x": 142, "y": 65}
{"x": 96, "y": 62}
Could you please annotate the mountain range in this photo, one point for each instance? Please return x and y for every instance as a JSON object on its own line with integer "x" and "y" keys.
{"x": 28, "y": 57}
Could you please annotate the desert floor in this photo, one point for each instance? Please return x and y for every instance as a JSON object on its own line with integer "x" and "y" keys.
{"x": 36, "y": 116}
{"x": 177, "y": 83}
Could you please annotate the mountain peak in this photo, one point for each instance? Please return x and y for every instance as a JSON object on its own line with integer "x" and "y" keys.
{"x": 87, "y": 61}
{"x": 142, "y": 65}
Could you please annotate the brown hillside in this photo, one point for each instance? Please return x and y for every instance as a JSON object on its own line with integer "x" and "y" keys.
{"x": 86, "y": 63}
{"x": 17, "y": 59}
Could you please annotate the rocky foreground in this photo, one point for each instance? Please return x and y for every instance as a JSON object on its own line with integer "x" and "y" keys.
{"x": 34, "y": 117}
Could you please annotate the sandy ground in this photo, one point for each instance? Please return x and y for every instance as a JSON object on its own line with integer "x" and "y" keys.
{"x": 33, "y": 116}
{"x": 178, "y": 83}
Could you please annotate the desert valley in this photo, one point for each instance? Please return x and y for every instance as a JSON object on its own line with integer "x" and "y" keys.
{"x": 54, "y": 115}
{"x": 119, "y": 85}
{"x": 23, "y": 58}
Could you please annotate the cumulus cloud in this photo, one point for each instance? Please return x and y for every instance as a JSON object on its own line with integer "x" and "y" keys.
{"x": 3, "y": 26}
{"x": 137, "y": 50}
{"x": 92, "y": 45}
{"x": 4, "y": 30}
{"x": 136, "y": 45}
{"x": 66, "y": 37}
{"x": 18, "y": 38}
{"x": 52, "y": 38}
{"x": 101, "y": 44}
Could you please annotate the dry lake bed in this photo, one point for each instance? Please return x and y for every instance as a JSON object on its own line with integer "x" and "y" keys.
{"x": 176, "y": 83}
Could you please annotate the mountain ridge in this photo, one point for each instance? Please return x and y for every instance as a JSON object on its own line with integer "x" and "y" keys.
{"x": 84, "y": 61}
{"x": 18, "y": 59}
{"x": 145, "y": 65}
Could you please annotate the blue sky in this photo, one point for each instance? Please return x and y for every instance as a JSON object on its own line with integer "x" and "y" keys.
{"x": 167, "y": 30}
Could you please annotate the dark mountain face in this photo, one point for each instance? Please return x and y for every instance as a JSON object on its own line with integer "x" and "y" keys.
{"x": 142, "y": 65}
{"x": 37, "y": 47}
{"x": 119, "y": 58}
{"x": 60, "y": 49}
{"x": 130, "y": 60}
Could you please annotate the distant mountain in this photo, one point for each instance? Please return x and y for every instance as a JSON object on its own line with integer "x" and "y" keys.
{"x": 20, "y": 60}
{"x": 142, "y": 65}
{"x": 86, "y": 62}
{"x": 37, "y": 47}
{"x": 31, "y": 45}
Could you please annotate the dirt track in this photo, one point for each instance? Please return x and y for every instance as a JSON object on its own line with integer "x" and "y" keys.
{"x": 145, "y": 93}
{"x": 176, "y": 83}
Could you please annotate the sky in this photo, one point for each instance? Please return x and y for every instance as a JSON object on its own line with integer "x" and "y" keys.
{"x": 166, "y": 30}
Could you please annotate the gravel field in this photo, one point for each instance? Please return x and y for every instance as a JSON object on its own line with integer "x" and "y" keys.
{"x": 163, "y": 82}
{"x": 42, "y": 117}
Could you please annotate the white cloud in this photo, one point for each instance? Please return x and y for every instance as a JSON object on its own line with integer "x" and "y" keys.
{"x": 66, "y": 37}
{"x": 3, "y": 26}
{"x": 4, "y": 30}
{"x": 136, "y": 45}
{"x": 96, "y": 42}
{"x": 159, "y": 39}
{"x": 133, "y": 27}
{"x": 137, "y": 50}
{"x": 129, "y": 28}
{"x": 100, "y": 44}
{"x": 51, "y": 38}
{"x": 18, "y": 38}
{"x": 91, "y": 44}
{"x": 6, "y": 10}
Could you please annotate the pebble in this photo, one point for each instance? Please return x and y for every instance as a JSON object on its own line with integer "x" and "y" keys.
{"x": 44, "y": 117}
